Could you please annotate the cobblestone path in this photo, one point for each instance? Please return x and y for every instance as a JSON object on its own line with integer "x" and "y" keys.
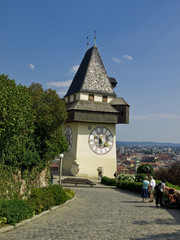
{"x": 102, "y": 213}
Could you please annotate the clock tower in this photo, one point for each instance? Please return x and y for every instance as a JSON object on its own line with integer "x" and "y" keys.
{"x": 93, "y": 112}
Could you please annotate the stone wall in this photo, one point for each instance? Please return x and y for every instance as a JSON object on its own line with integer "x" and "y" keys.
{"x": 14, "y": 185}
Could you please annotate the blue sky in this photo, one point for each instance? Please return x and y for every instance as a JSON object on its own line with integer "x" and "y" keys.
{"x": 139, "y": 42}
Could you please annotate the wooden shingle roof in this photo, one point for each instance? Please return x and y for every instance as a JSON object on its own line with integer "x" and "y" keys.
{"x": 119, "y": 101}
{"x": 91, "y": 76}
{"x": 84, "y": 105}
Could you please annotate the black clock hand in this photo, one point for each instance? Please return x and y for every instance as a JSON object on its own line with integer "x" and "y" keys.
{"x": 100, "y": 141}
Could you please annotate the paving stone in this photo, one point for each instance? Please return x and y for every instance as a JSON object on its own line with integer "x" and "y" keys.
{"x": 102, "y": 213}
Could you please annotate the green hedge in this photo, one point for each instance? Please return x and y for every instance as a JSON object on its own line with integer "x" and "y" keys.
{"x": 169, "y": 185}
{"x": 137, "y": 186}
{"x": 140, "y": 177}
{"x": 173, "y": 186}
{"x": 108, "y": 181}
{"x": 132, "y": 186}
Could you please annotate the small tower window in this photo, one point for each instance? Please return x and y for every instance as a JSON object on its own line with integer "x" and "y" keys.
{"x": 104, "y": 99}
{"x": 91, "y": 97}
{"x": 69, "y": 99}
{"x": 75, "y": 97}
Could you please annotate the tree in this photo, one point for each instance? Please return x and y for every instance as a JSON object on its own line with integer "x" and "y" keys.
{"x": 171, "y": 175}
{"x": 31, "y": 134}
{"x": 50, "y": 115}
{"x": 16, "y": 125}
{"x": 144, "y": 168}
{"x": 174, "y": 173}
{"x": 31, "y": 122}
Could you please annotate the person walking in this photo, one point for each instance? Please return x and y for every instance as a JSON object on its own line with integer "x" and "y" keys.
{"x": 159, "y": 193}
{"x": 145, "y": 187}
{"x": 100, "y": 173}
{"x": 115, "y": 175}
{"x": 152, "y": 185}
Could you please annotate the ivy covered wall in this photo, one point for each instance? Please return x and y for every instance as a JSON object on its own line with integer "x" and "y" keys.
{"x": 31, "y": 134}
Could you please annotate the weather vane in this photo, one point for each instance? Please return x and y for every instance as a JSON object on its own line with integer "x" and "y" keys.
{"x": 87, "y": 42}
{"x": 95, "y": 38}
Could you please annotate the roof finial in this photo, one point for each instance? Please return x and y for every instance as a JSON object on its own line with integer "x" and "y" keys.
{"x": 87, "y": 42}
{"x": 95, "y": 38}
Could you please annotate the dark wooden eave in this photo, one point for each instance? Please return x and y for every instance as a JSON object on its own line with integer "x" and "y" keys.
{"x": 90, "y": 111}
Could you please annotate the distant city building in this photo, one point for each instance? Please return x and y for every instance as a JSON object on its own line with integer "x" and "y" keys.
{"x": 161, "y": 156}
{"x": 121, "y": 149}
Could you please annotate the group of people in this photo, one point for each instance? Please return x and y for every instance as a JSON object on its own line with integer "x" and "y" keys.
{"x": 150, "y": 188}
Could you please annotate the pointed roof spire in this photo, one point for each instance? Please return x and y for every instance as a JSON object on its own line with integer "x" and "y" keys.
{"x": 91, "y": 76}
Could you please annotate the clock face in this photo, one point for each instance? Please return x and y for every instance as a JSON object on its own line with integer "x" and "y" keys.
{"x": 68, "y": 136}
{"x": 100, "y": 140}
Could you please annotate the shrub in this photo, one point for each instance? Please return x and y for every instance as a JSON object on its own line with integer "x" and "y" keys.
{"x": 143, "y": 168}
{"x": 140, "y": 177}
{"x": 41, "y": 199}
{"x": 170, "y": 175}
{"x": 58, "y": 194}
{"x": 3, "y": 221}
{"x": 162, "y": 173}
{"x": 126, "y": 177}
{"x": 44, "y": 198}
{"x": 137, "y": 186}
{"x": 177, "y": 187}
{"x": 14, "y": 210}
{"x": 132, "y": 186}
{"x": 157, "y": 181}
{"x": 69, "y": 193}
{"x": 108, "y": 181}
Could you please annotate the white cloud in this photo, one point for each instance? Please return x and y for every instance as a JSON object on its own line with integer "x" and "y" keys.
{"x": 128, "y": 57}
{"x": 116, "y": 60}
{"x": 61, "y": 93}
{"x": 165, "y": 116}
{"x": 31, "y": 66}
{"x": 74, "y": 69}
{"x": 156, "y": 117}
{"x": 60, "y": 84}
